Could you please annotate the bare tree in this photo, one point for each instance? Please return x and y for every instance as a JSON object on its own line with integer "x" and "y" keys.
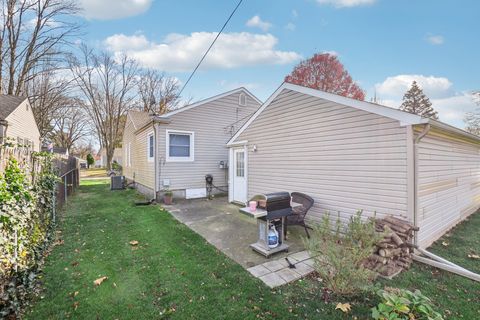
{"x": 106, "y": 93}
{"x": 70, "y": 125}
{"x": 472, "y": 119}
{"x": 48, "y": 92}
{"x": 157, "y": 93}
{"x": 82, "y": 149}
{"x": 32, "y": 32}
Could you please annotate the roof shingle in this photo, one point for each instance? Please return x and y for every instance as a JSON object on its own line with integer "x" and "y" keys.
{"x": 8, "y": 104}
{"x": 139, "y": 118}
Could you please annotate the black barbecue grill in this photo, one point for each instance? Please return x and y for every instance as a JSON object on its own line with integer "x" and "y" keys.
{"x": 276, "y": 204}
{"x": 272, "y": 208}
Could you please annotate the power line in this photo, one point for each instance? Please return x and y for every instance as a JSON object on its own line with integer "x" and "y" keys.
{"x": 210, "y": 47}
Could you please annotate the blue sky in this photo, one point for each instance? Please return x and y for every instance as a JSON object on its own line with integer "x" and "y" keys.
{"x": 384, "y": 44}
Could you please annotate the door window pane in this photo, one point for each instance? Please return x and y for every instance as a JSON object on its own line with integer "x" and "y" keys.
{"x": 240, "y": 164}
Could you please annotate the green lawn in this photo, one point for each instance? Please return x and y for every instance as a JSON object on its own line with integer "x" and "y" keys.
{"x": 174, "y": 273}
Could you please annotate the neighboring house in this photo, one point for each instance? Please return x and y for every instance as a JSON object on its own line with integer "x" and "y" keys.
{"x": 98, "y": 161}
{"x": 117, "y": 156}
{"x": 176, "y": 150}
{"x": 62, "y": 151}
{"x": 353, "y": 155}
{"x": 17, "y": 122}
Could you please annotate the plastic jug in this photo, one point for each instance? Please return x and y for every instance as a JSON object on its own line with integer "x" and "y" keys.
{"x": 272, "y": 237}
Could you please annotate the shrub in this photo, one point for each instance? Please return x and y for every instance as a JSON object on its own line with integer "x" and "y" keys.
{"x": 25, "y": 219}
{"x": 17, "y": 209}
{"x": 340, "y": 251}
{"x": 90, "y": 160}
{"x": 400, "y": 304}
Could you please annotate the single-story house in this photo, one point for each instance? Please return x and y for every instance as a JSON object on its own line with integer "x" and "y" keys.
{"x": 354, "y": 155}
{"x": 176, "y": 150}
{"x": 117, "y": 157}
{"x": 18, "y": 123}
{"x": 61, "y": 151}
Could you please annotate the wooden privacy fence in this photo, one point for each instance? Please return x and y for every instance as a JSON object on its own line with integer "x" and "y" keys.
{"x": 67, "y": 167}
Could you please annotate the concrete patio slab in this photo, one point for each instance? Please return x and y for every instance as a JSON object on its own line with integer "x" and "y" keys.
{"x": 303, "y": 269}
{"x": 275, "y": 265}
{"x": 288, "y": 274}
{"x": 259, "y": 271}
{"x": 222, "y": 225}
{"x": 273, "y": 280}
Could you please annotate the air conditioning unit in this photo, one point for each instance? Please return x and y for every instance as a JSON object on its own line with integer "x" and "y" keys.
{"x": 117, "y": 183}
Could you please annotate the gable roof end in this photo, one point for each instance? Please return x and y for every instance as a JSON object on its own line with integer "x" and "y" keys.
{"x": 405, "y": 118}
{"x": 139, "y": 118}
{"x": 204, "y": 101}
{"x": 8, "y": 104}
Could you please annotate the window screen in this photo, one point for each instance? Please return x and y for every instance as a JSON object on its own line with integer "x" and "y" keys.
{"x": 150, "y": 146}
{"x": 179, "y": 145}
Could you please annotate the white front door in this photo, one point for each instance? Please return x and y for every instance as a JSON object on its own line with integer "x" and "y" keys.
{"x": 239, "y": 179}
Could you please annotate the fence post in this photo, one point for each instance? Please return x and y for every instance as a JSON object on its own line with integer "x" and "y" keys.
{"x": 65, "y": 187}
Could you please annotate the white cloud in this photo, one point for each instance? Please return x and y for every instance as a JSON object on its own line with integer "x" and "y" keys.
{"x": 178, "y": 52}
{"x": 294, "y": 14}
{"x": 346, "y": 3}
{"x": 451, "y": 106}
{"x": 331, "y": 52}
{"x": 113, "y": 9}
{"x": 434, "y": 87}
{"x": 435, "y": 39}
{"x": 290, "y": 26}
{"x": 257, "y": 22}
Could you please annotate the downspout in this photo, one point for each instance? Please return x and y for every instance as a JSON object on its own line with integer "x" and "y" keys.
{"x": 155, "y": 159}
{"x": 416, "y": 142}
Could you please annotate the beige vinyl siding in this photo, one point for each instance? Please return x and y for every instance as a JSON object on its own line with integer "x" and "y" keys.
{"x": 346, "y": 159}
{"x": 213, "y": 124}
{"x": 448, "y": 183}
{"x": 140, "y": 169}
{"x": 21, "y": 123}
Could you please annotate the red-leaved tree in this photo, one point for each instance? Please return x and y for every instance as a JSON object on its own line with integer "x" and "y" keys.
{"x": 325, "y": 72}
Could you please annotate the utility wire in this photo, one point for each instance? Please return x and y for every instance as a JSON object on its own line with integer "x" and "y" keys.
{"x": 210, "y": 47}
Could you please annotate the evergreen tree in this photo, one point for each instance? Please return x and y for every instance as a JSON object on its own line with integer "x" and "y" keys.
{"x": 415, "y": 101}
{"x": 90, "y": 160}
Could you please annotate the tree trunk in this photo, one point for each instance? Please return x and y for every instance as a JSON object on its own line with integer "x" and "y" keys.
{"x": 110, "y": 151}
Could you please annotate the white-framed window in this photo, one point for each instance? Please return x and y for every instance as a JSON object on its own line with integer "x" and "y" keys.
{"x": 180, "y": 145}
{"x": 150, "y": 147}
{"x": 242, "y": 99}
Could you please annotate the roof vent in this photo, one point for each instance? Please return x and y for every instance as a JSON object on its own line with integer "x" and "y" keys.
{"x": 242, "y": 99}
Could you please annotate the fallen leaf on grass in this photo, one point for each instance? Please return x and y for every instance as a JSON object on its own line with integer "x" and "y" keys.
{"x": 75, "y": 305}
{"x": 345, "y": 307}
{"x": 99, "y": 281}
{"x": 73, "y": 294}
{"x": 133, "y": 242}
{"x": 474, "y": 256}
{"x": 445, "y": 244}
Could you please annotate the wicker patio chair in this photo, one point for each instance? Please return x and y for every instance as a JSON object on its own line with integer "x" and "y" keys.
{"x": 299, "y": 213}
